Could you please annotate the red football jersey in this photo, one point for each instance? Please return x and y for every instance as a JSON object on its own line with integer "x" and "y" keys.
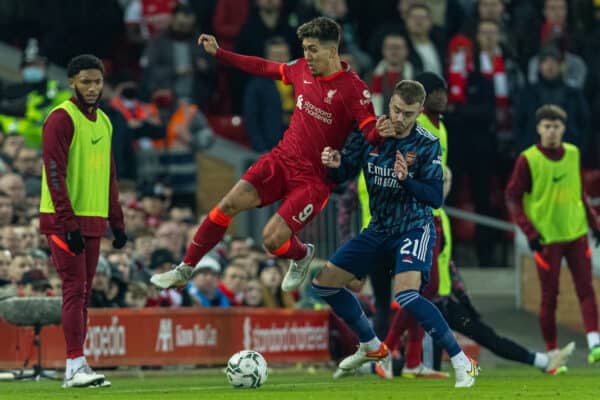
{"x": 327, "y": 110}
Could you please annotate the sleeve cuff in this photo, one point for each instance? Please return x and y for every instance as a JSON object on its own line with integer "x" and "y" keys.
{"x": 366, "y": 121}
{"x": 282, "y": 73}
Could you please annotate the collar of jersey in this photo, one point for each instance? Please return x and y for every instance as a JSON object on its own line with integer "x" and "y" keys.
{"x": 345, "y": 68}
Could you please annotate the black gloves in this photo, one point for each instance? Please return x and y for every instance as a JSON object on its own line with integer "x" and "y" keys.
{"x": 536, "y": 244}
{"x": 596, "y": 234}
{"x": 75, "y": 241}
{"x": 120, "y": 239}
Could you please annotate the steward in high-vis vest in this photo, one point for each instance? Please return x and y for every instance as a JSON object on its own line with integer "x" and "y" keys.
{"x": 546, "y": 199}
{"x": 26, "y": 104}
{"x": 79, "y": 196}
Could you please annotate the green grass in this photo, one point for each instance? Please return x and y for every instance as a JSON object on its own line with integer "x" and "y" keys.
{"x": 500, "y": 383}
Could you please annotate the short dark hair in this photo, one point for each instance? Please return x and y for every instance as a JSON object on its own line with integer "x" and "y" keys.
{"x": 322, "y": 28}
{"x": 410, "y": 91}
{"x": 551, "y": 112}
{"x": 416, "y": 6}
{"x": 84, "y": 61}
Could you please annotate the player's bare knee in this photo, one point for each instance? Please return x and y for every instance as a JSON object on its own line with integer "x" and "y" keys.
{"x": 275, "y": 233}
{"x": 270, "y": 242}
{"x": 228, "y": 206}
{"x": 273, "y": 239}
{"x": 318, "y": 279}
{"x": 328, "y": 276}
{"x": 406, "y": 281}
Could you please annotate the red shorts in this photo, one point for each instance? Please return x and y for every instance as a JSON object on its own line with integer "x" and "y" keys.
{"x": 304, "y": 195}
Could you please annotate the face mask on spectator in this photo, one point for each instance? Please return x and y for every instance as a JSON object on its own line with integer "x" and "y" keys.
{"x": 33, "y": 74}
{"x": 163, "y": 100}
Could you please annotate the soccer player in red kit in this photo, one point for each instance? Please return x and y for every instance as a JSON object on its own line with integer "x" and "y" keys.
{"x": 331, "y": 101}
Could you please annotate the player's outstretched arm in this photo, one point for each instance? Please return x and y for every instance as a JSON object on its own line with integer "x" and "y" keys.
{"x": 252, "y": 65}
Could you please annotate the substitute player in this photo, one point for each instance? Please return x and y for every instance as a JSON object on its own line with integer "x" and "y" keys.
{"x": 546, "y": 199}
{"x": 330, "y": 101}
{"x": 404, "y": 180}
{"x": 79, "y": 196}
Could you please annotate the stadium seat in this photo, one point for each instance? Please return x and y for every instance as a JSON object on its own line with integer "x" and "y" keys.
{"x": 229, "y": 127}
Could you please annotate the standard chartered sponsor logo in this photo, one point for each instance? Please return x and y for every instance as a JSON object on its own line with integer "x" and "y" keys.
{"x": 314, "y": 111}
{"x": 288, "y": 337}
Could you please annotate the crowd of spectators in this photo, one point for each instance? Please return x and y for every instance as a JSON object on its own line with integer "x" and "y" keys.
{"x": 237, "y": 273}
{"x": 502, "y": 60}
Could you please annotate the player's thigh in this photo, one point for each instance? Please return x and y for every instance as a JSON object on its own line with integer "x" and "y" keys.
{"x": 70, "y": 267}
{"x": 578, "y": 255}
{"x": 267, "y": 177}
{"x": 242, "y": 196}
{"x": 413, "y": 252}
{"x": 548, "y": 266}
{"x": 360, "y": 255}
{"x": 302, "y": 203}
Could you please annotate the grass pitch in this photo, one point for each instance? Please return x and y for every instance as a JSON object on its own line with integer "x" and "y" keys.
{"x": 496, "y": 383}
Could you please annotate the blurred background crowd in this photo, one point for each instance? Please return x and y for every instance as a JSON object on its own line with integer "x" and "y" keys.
{"x": 166, "y": 97}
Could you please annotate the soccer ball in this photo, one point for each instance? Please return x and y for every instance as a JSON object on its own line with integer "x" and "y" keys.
{"x": 246, "y": 369}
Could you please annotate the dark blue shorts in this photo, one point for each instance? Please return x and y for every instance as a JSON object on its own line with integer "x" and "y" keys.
{"x": 411, "y": 251}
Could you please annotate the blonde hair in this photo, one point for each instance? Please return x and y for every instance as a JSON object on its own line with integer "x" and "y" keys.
{"x": 410, "y": 91}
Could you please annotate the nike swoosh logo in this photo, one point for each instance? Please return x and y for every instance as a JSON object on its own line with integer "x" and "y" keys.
{"x": 473, "y": 371}
{"x": 558, "y": 178}
{"x": 94, "y": 141}
{"x": 307, "y": 82}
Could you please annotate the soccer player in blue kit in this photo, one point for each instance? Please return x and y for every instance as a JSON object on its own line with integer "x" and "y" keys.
{"x": 404, "y": 180}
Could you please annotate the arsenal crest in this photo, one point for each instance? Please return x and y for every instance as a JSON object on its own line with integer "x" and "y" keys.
{"x": 410, "y": 158}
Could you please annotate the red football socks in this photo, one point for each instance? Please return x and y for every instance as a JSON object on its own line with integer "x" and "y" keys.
{"x": 207, "y": 236}
{"x": 293, "y": 249}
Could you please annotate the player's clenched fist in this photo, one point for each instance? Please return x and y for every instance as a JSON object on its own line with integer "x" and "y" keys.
{"x": 385, "y": 127}
{"x": 331, "y": 158}
{"x": 400, "y": 166}
{"x": 209, "y": 42}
